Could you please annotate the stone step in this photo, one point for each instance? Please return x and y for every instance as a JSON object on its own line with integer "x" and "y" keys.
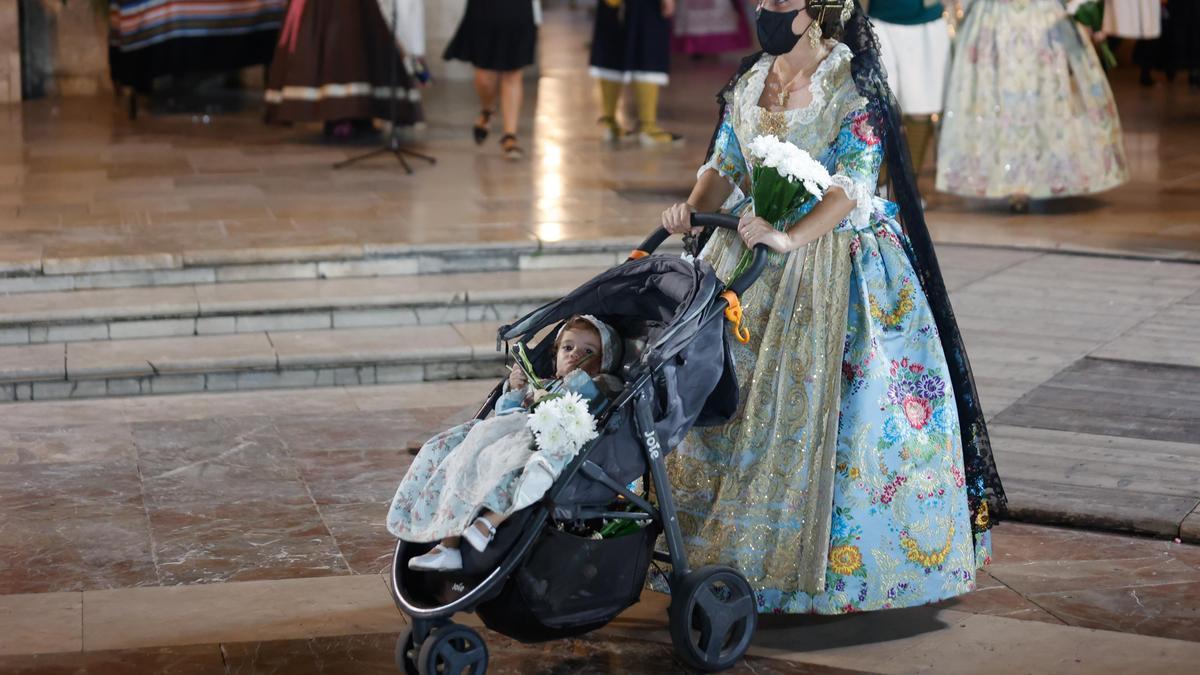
{"x": 302, "y": 304}
{"x": 312, "y": 262}
{"x": 261, "y": 360}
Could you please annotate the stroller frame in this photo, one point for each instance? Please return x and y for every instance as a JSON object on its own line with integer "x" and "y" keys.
{"x": 712, "y": 613}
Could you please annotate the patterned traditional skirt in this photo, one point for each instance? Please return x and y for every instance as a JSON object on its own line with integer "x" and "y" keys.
{"x": 335, "y": 61}
{"x": 839, "y": 487}
{"x": 1028, "y": 109}
{"x": 457, "y": 474}
{"x": 173, "y": 37}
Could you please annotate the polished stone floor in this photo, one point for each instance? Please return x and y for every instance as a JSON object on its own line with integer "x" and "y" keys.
{"x": 149, "y": 523}
{"x": 242, "y": 532}
{"x": 372, "y": 654}
{"x": 78, "y": 180}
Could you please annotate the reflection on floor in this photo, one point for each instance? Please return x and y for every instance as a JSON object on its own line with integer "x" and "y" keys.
{"x": 242, "y": 532}
{"x": 79, "y": 180}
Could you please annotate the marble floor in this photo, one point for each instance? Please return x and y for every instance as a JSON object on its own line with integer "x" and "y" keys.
{"x": 244, "y": 531}
{"x": 79, "y": 180}
{"x": 372, "y": 654}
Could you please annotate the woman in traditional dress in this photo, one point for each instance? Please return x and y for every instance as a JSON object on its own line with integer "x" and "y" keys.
{"x": 914, "y": 42}
{"x": 499, "y": 38}
{"x": 1133, "y": 19}
{"x": 858, "y": 473}
{"x": 337, "y": 60}
{"x": 175, "y": 37}
{"x": 710, "y": 26}
{"x": 631, "y": 43}
{"x": 1178, "y": 46}
{"x": 1029, "y": 113}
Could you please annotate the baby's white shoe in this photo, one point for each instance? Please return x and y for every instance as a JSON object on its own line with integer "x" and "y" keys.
{"x": 475, "y": 536}
{"x": 440, "y": 559}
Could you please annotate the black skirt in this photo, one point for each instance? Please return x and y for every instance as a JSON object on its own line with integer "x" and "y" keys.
{"x": 495, "y": 35}
{"x": 1179, "y": 47}
{"x": 631, "y": 43}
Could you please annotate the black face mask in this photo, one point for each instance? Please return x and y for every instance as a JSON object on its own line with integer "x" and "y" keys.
{"x": 775, "y": 31}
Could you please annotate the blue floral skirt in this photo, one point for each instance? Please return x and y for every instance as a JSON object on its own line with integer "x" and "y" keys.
{"x": 840, "y": 486}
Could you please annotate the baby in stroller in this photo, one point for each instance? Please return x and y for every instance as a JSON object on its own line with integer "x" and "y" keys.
{"x": 467, "y": 480}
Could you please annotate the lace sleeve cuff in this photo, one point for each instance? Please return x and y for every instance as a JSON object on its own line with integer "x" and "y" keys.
{"x": 862, "y": 196}
{"x": 734, "y": 197}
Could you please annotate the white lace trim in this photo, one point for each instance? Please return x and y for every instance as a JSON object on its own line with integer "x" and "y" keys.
{"x": 839, "y": 54}
{"x": 734, "y": 197}
{"x": 863, "y": 197}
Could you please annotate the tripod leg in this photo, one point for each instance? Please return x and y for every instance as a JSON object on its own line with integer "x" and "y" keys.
{"x": 410, "y": 153}
{"x": 403, "y": 162}
{"x": 352, "y": 160}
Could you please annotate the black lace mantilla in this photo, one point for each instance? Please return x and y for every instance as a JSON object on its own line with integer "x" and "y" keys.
{"x": 985, "y": 493}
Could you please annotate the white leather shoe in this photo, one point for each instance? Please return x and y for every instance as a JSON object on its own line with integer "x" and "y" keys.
{"x": 476, "y": 538}
{"x": 440, "y": 559}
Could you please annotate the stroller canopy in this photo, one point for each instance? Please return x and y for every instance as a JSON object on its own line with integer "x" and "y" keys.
{"x": 664, "y": 290}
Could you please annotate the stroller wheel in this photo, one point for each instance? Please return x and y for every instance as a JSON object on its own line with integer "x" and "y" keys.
{"x": 406, "y": 653}
{"x": 712, "y": 617}
{"x": 453, "y": 648}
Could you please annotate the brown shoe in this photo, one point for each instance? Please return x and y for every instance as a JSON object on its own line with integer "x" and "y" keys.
{"x": 512, "y": 150}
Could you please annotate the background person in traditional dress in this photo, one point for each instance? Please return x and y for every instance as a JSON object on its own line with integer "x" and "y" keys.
{"x": 1177, "y": 49}
{"x": 334, "y": 63}
{"x": 499, "y": 38}
{"x": 1132, "y": 19}
{"x": 914, "y": 41}
{"x": 857, "y": 474}
{"x": 172, "y": 37}
{"x": 1029, "y": 113}
{"x": 710, "y": 26}
{"x": 631, "y": 43}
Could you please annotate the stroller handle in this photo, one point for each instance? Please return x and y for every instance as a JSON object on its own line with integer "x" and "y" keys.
{"x": 744, "y": 280}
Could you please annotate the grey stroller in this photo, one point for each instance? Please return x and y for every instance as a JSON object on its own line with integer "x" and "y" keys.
{"x": 541, "y": 581}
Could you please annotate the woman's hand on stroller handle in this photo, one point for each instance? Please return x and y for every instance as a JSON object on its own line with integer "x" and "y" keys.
{"x": 728, "y": 222}
{"x": 695, "y": 222}
{"x": 677, "y": 219}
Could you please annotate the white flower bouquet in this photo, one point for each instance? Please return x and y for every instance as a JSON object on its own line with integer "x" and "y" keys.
{"x": 784, "y": 177}
{"x": 561, "y": 423}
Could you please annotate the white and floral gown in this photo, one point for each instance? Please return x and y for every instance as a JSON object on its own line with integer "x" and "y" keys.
{"x": 1028, "y": 108}
{"x": 839, "y": 487}
{"x": 474, "y": 466}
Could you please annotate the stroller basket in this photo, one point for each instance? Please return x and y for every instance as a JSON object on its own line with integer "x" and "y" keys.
{"x": 570, "y": 585}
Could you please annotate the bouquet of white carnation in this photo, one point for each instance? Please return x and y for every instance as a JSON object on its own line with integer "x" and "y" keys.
{"x": 561, "y": 423}
{"x": 784, "y": 178}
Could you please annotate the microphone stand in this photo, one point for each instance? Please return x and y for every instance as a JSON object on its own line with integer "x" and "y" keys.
{"x": 393, "y": 144}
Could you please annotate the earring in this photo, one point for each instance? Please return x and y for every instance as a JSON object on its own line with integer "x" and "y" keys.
{"x": 814, "y": 35}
